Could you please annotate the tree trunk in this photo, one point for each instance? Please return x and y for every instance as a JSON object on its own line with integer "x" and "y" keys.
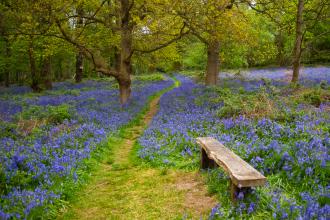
{"x": 124, "y": 90}
{"x": 279, "y": 41}
{"x": 79, "y": 67}
{"x": 124, "y": 78}
{"x": 34, "y": 77}
{"x": 298, "y": 43}
{"x": 116, "y": 59}
{"x": 212, "y": 69}
{"x": 59, "y": 72}
{"x": 46, "y": 73}
{"x": 7, "y": 62}
{"x": 79, "y": 55}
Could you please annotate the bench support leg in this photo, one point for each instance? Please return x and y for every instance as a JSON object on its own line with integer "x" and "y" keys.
{"x": 206, "y": 162}
{"x": 204, "y": 159}
{"x": 234, "y": 191}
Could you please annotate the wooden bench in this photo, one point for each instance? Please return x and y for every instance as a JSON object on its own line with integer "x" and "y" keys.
{"x": 243, "y": 176}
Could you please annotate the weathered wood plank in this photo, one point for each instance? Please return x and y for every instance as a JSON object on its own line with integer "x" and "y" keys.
{"x": 241, "y": 173}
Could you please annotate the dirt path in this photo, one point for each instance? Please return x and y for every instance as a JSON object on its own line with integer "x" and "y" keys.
{"x": 124, "y": 191}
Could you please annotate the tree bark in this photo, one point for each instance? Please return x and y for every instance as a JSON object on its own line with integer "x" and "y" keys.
{"x": 124, "y": 90}
{"x": 46, "y": 73}
{"x": 124, "y": 78}
{"x": 34, "y": 76}
{"x": 298, "y": 42}
{"x": 212, "y": 69}
{"x": 79, "y": 67}
{"x": 7, "y": 62}
{"x": 116, "y": 59}
{"x": 59, "y": 70}
{"x": 79, "y": 55}
{"x": 279, "y": 41}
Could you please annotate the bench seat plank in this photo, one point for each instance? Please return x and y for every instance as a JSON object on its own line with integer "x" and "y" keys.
{"x": 241, "y": 173}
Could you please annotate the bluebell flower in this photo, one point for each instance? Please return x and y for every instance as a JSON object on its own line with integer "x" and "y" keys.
{"x": 240, "y": 196}
{"x": 251, "y": 207}
{"x": 215, "y": 212}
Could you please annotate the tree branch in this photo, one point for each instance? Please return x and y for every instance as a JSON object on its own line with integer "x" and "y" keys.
{"x": 99, "y": 65}
{"x": 182, "y": 33}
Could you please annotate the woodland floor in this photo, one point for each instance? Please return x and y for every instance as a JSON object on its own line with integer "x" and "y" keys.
{"x": 123, "y": 189}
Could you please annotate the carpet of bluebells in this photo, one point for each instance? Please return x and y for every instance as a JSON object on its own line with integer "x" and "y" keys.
{"x": 35, "y": 163}
{"x": 253, "y": 79}
{"x": 293, "y": 153}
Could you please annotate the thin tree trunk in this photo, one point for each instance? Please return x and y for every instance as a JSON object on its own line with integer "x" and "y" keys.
{"x": 7, "y": 62}
{"x": 298, "y": 43}
{"x": 59, "y": 75}
{"x": 279, "y": 41}
{"x": 79, "y": 55}
{"x": 124, "y": 78}
{"x": 34, "y": 77}
{"x": 46, "y": 73}
{"x": 212, "y": 69}
{"x": 79, "y": 67}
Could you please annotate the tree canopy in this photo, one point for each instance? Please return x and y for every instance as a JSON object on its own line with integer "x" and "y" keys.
{"x": 43, "y": 41}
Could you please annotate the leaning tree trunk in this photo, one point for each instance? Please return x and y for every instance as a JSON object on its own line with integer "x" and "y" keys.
{"x": 298, "y": 43}
{"x": 34, "y": 77}
{"x": 46, "y": 73}
{"x": 212, "y": 69}
{"x": 7, "y": 62}
{"x": 124, "y": 78}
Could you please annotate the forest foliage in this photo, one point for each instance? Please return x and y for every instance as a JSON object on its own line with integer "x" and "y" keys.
{"x": 45, "y": 41}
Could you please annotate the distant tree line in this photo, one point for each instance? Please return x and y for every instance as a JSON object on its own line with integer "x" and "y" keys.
{"x": 43, "y": 41}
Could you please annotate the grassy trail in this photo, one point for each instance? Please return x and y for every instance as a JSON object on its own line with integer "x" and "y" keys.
{"x": 122, "y": 189}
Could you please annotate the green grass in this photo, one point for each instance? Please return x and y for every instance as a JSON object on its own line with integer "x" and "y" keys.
{"x": 120, "y": 187}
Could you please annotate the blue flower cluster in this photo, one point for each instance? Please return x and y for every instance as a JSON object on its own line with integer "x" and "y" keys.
{"x": 254, "y": 79}
{"x": 315, "y": 74}
{"x": 295, "y": 151}
{"x": 34, "y": 167}
{"x": 8, "y": 109}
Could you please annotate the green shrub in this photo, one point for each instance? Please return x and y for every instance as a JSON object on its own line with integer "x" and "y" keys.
{"x": 150, "y": 77}
{"x": 324, "y": 84}
{"x": 57, "y": 114}
{"x": 7, "y": 130}
{"x": 74, "y": 92}
{"x": 52, "y": 114}
{"x": 249, "y": 104}
{"x": 313, "y": 98}
{"x": 33, "y": 112}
